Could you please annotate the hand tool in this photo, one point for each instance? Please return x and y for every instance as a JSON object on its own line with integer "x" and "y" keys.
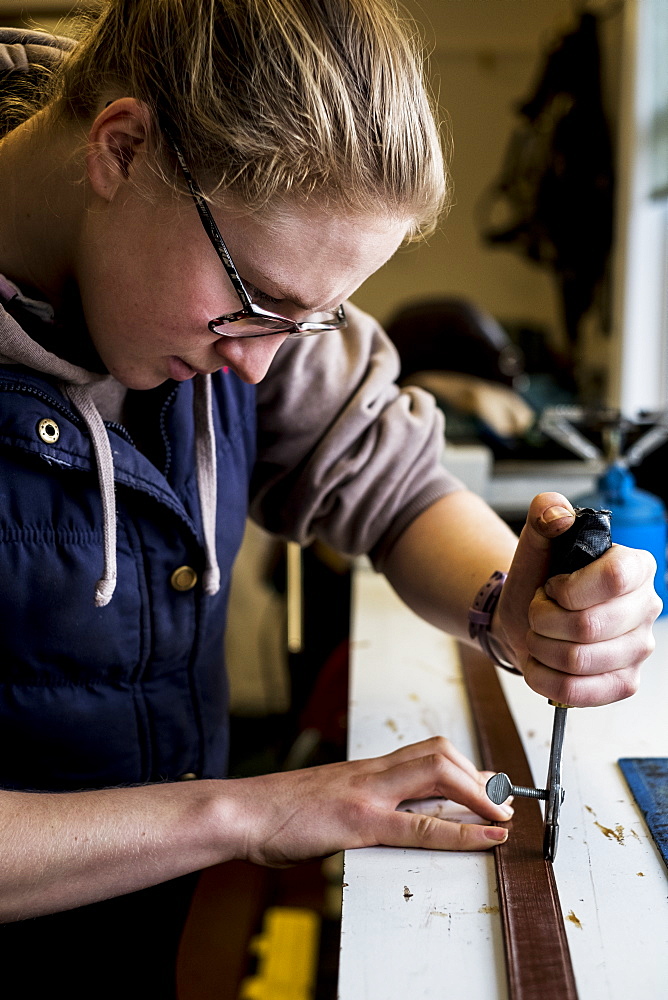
{"x": 586, "y": 539}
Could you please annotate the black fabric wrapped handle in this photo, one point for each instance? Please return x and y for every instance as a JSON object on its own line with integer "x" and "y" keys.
{"x": 586, "y": 539}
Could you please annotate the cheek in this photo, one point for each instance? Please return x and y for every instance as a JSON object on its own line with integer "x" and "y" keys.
{"x": 151, "y": 275}
{"x": 143, "y": 302}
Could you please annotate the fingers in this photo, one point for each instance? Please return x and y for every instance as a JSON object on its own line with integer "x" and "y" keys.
{"x": 583, "y": 659}
{"x": 435, "y": 774}
{"x": 435, "y": 744}
{"x": 582, "y": 692}
{"x": 291, "y": 816}
{"x": 400, "y": 829}
{"x": 579, "y": 657}
{"x": 617, "y": 572}
{"x": 549, "y": 515}
{"x": 594, "y": 624}
{"x": 435, "y": 767}
{"x": 590, "y": 631}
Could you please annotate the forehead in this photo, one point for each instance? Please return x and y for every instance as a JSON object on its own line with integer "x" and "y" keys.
{"x": 309, "y": 254}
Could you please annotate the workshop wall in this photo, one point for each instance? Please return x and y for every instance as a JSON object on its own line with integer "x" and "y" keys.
{"x": 485, "y": 55}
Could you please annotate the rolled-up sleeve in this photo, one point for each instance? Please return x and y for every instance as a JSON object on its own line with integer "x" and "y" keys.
{"x": 344, "y": 455}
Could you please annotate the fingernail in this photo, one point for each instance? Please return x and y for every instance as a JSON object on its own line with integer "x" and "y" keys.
{"x": 496, "y": 833}
{"x": 554, "y": 513}
{"x": 507, "y": 811}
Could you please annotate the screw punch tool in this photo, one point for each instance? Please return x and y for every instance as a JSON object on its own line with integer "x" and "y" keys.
{"x": 586, "y": 539}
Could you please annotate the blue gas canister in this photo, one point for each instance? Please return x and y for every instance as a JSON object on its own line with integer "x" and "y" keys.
{"x": 638, "y": 518}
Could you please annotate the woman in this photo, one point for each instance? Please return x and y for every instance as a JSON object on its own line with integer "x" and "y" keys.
{"x": 203, "y": 184}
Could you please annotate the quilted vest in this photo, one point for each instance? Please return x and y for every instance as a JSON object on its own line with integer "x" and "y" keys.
{"x": 133, "y": 692}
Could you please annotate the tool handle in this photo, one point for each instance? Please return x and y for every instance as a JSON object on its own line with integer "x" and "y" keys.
{"x": 586, "y": 539}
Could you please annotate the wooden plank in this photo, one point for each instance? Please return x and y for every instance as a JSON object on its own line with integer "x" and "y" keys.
{"x": 406, "y": 685}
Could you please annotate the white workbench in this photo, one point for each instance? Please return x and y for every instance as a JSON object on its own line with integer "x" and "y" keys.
{"x": 424, "y": 924}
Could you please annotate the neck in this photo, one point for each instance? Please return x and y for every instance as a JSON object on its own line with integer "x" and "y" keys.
{"x": 41, "y": 206}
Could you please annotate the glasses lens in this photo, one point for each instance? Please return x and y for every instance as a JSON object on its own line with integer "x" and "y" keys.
{"x": 253, "y": 326}
{"x": 321, "y": 323}
{"x": 321, "y": 319}
{"x": 264, "y": 326}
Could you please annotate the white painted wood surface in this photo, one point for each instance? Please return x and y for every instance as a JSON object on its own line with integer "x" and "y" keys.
{"x": 424, "y": 924}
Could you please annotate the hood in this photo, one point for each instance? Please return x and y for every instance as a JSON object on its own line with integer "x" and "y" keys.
{"x": 17, "y": 347}
{"x": 20, "y": 51}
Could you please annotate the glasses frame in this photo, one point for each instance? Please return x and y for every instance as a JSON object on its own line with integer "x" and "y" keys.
{"x": 275, "y": 322}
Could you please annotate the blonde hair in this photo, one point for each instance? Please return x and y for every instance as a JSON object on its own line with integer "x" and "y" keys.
{"x": 275, "y": 98}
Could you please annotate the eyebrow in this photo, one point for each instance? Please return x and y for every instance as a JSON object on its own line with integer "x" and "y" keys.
{"x": 283, "y": 296}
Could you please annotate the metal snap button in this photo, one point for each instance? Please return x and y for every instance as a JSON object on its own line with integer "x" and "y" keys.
{"x": 188, "y": 776}
{"x": 183, "y": 578}
{"x": 48, "y": 430}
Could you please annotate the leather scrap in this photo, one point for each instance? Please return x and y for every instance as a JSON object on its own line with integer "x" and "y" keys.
{"x": 538, "y": 961}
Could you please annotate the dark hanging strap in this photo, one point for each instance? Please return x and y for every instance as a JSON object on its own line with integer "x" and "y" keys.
{"x": 538, "y": 961}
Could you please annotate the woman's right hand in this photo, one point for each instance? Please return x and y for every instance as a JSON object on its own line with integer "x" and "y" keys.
{"x": 294, "y": 816}
{"x": 63, "y": 850}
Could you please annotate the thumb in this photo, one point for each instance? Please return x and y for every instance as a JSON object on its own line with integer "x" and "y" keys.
{"x": 550, "y": 514}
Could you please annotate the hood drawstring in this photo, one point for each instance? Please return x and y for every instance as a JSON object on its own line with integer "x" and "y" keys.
{"x": 17, "y": 347}
{"x": 205, "y": 457}
{"x": 81, "y": 398}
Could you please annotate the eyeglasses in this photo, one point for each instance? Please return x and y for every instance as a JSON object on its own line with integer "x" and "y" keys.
{"x": 250, "y": 320}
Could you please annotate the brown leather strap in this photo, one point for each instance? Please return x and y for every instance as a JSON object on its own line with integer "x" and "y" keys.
{"x": 538, "y": 961}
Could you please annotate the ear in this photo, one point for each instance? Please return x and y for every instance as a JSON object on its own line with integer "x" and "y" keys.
{"x": 117, "y": 139}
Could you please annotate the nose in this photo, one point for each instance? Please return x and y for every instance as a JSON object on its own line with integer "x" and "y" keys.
{"x": 249, "y": 357}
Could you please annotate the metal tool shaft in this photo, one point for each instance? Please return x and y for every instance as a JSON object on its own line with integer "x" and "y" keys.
{"x": 555, "y": 792}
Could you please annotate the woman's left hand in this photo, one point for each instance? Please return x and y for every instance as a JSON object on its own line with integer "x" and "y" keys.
{"x": 578, "y": 638}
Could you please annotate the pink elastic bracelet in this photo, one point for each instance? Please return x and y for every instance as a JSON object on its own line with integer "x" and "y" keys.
{"x": 480, "y": 619}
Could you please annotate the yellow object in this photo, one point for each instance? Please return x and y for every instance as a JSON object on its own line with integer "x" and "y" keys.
{"x": 287, "y": 951}
{"x": 295, "y": 597}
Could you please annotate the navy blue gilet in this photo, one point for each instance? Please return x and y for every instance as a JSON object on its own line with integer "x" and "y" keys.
{"x": 136, "y": 691}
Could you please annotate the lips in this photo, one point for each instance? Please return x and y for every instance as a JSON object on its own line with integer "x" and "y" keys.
{"x": 179, "y": 370}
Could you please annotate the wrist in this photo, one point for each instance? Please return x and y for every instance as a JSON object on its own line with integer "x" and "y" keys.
{"x": 224, "y": 820}
{"x": 504, "y": 650}
{"x": 483, "y": 625}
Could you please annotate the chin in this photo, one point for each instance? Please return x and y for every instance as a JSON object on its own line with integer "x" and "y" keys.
{"x": 137, "y": 379}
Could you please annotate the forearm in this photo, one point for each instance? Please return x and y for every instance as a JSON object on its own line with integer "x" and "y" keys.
{"x": 65, "y": 850}
{"x": 445, "y": 555}
{"x": 578, "y": 638}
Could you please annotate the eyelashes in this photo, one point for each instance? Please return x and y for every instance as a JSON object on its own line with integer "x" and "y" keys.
{"x": 260, "y": 296}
